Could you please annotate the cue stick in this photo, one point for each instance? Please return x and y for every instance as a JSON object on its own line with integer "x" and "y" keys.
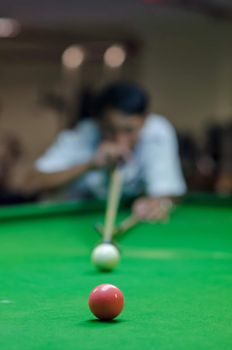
{"x": 112, "y": 204}
{"x": 99, "y": 228}
{"x": 124, "y": 226}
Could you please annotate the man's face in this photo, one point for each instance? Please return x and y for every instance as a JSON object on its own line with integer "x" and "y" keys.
{"x": 121, "y": 129}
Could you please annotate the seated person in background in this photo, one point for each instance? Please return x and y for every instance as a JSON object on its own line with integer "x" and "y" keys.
{"x": 10, "y": 152}
{"x": 224, "y": 180}
{"x": 120, "y": 130}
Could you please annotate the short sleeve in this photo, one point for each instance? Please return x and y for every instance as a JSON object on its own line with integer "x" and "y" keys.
{"x": 71, "y": 147}
{"x": 162, "y": 166}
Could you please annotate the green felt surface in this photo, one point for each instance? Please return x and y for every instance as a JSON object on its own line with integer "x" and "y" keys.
{"x": 176, "y": 278}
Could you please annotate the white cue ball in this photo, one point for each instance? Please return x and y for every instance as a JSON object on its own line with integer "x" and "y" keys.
{"x": 105, "y": 257}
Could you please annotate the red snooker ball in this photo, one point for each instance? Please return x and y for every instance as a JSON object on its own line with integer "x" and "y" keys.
{"x": 106, "y": 301}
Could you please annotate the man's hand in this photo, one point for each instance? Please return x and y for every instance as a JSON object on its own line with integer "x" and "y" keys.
{"x": 109, "y": 154}
{"x": 152, "y": 208}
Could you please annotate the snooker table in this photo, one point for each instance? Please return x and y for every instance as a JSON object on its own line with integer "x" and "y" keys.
{"x": 176, "y": 278}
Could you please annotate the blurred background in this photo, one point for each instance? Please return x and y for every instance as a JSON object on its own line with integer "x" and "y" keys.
{"x": 55, "y": 55}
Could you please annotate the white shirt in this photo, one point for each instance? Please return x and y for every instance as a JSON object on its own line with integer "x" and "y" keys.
{"x": 154, "y": 167}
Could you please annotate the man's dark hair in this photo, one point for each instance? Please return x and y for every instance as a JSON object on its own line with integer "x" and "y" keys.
{"x": 125, "y": 97}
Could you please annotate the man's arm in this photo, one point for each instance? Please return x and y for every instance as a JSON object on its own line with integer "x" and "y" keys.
{"x": 34, "y": 181}
{"x": 163, "y": 174}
